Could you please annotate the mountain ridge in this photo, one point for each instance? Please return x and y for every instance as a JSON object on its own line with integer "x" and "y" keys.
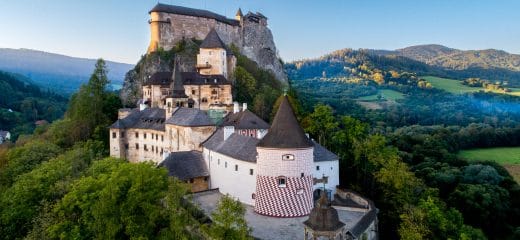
{"x": 58, "y": 72}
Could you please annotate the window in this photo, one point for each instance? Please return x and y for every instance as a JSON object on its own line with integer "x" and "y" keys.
{"x": 144, "y": 135}
{"x": 126, "y": 146}
{"x": 137, "y": 146}
{"x": 145, "y": 148}
{"x": 282, "y": 181}
{"x": 302, "y": 175}
{"x": 225, "y": 164}
{"x": 193, "y": 91}
{"x": 136, "y": 134}
{"x": 317, "y": 168}
{"x": 204, "y": 100}
{"x": 153, "y": 148}
{"x": 205, "y": 179}
{"x": 288, "y": 157}
{"x": 218, "y": 161}
{"x": 122, "y": 134}
{"x": 253, "y": 196}
{"x": 191, "y": 180}
{"x": 236, "y": 167}
{"x": 251, "y": 171}
{"x": 114, "y": 134}
{"x": 162, "y": 138}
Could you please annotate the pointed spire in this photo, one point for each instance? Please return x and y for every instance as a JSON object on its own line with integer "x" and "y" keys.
{"x": 285, "y": 132}
{"x": 212, "y": 40}
{"x": 177, "y": 87}
{"x": 239, "y": 13}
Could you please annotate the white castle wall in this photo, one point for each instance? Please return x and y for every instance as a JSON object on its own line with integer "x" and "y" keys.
{"x": 330, "y": 169}
{"x": 239, "y": 184}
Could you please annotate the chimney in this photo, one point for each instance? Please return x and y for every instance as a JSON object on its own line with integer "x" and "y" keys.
{"x": 235, "y": 107}
{"x": 142, "y": 106}
{"x": 244, "y": 106}
{"x": 228, "y": 130}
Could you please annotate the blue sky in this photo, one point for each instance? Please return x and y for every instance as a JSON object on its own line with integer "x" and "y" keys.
{"x": 118, "y": 30}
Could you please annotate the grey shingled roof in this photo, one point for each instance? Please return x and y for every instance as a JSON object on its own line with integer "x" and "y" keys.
{"x": 193, "y": 12}
{"x": 245, "y": 120}
{"x": 150, "y": 118}
{"x": 285, "y": 132}
{"x": 322, "y": 154}
{"x": 364, "y": 223}
{"x": 185, "y": 165}
{"x": 212, "y": 40}
{"x": 191, "y": 117}
{"x": 236, "y": 146}
{"x": 194, "y": 78}
{"x": 159, "y": 78}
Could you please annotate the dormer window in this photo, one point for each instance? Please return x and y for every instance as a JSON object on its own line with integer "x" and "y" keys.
{"x": 288, "y": 157}
{"x": 281, "y": 181}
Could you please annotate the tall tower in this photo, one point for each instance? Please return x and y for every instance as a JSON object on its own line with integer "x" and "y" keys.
{"x": 212, "y": 58}
{"x": 285, "y": 164}
{"x": 239, "y": 15}
{"x": 177, "y": 96}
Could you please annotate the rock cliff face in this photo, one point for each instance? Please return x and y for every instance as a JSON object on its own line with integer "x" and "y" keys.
{"x": 258, "y": 45}
{"x": 161, "y": 61}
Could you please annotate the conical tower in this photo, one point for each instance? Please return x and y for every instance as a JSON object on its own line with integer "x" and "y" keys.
{"x": 285, "y": 164}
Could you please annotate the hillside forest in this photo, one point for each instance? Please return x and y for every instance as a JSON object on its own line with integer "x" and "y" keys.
{"x": 59, "y": 183}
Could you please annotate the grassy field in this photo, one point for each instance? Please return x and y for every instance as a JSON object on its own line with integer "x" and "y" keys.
{"x": 386, "y": 93}
{"x": 509, "y": 157}
{"x": 456, "y": 86}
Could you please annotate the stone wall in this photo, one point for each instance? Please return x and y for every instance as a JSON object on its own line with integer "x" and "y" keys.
{"x": 138, "y": 145}
{"x": 200, "y": 92}
{"x": 187, "y": 138}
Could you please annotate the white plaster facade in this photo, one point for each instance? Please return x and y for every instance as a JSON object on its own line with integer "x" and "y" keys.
{"x": 231, "y": 176}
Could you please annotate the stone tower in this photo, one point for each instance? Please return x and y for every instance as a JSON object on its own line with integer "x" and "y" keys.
{"x": 212, "y": 58}
{"x": 285, "y": 164}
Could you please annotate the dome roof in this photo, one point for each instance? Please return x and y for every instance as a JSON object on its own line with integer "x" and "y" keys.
{"x": 323, "y": 217}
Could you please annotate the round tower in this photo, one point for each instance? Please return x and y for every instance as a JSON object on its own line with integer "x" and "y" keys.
{"x": 284, "y": 168}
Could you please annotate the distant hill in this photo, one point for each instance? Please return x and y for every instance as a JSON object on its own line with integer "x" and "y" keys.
{"x": 441, "y": 56}
{"x": 424, "y": 60}
{"x": 60, "y": 73}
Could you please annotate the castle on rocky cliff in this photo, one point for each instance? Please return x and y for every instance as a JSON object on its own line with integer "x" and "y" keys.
{"x": 188, "y": 123}
{"x": 171, "y": 24}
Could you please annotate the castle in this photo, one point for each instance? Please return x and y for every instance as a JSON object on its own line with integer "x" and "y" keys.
{"x": 249, "y": 33}
{"x": 188, "y": 123}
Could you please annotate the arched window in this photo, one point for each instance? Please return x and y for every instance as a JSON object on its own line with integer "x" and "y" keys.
{"x": 204, "y": 100}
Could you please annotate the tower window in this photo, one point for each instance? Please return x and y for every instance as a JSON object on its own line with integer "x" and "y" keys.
{"x": 136, "y": 134}
{"x": 288, "y": 157}
{"x": 317, "y": 168}
{"x": 251, "y": 171}
{"x": 302, "y": 175}
{"x": 122, "y": 134}
{"x": 114, "y": 135}
{"x": 236, "y": 167}
{"x": 282, "y": 181}
{"x": 137, "y": 146}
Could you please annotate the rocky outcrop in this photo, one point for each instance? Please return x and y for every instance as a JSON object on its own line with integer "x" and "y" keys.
{"x": 258, "y": 45}
{"x": 159, "y": 61}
